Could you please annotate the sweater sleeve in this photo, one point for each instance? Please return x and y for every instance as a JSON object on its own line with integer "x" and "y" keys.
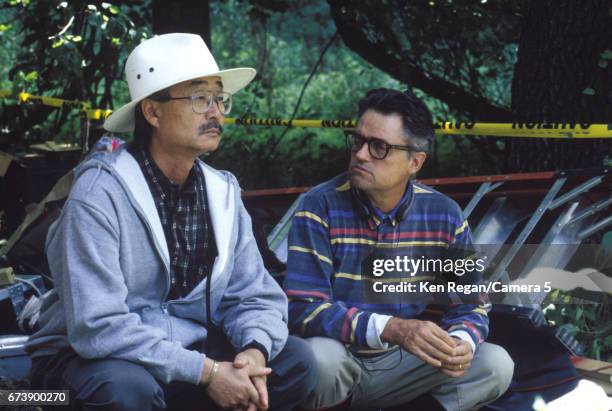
{"x": 253, "y": 307}
{"x": 308, "y": 283}
{"x": 83, "y": 252}
{"x": 472, "y": 319}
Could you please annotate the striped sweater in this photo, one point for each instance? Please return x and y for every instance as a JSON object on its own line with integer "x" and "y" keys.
{"x": 334, "y": 231}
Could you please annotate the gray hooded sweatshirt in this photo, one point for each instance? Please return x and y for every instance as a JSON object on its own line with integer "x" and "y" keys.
{"x": 110, "y": 263}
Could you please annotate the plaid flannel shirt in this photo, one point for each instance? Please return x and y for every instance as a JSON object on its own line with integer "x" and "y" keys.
{"x": 186, "y": 222}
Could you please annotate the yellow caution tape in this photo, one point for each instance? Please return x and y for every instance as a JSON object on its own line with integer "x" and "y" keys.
{"x": 291, "y": 123}
{"x": 85, "y": 107}
{"x": 52, "y": 101}
{"x": 544, "y": 130}
{"x": 98, "y": 114}
{"x": 569, "y": 130}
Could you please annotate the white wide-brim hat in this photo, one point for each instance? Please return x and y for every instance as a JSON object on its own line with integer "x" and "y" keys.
{"x": 164, "y": 61}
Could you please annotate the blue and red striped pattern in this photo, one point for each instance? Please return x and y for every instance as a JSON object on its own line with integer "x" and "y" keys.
{"x": 328, "y": 242}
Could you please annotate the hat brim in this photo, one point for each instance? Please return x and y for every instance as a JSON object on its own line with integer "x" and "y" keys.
{"x": 122, "y": 119}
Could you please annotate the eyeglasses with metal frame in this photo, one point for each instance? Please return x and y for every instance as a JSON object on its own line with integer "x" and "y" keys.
{"x": 202, "y": 101}
{"x": 377, "y": 148}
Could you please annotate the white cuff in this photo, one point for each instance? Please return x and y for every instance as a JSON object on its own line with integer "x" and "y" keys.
{"x": 376, "y": 325}
{"x": 465, "y": 336}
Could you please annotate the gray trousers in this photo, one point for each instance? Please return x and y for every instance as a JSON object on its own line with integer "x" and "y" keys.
{"x": 396, "y": 377}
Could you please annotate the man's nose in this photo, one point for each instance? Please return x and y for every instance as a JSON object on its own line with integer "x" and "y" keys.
{"x": 214, "y": 112}
{"x": 363, "y": 153}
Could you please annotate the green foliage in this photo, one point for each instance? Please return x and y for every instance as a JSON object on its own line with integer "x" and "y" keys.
{"x": 284, "y": 48}
{"x": 73, "y": 50}
{"x": 590, "y": 323}
{"x": 76, "y": 50}
{"x": 23, "y": 3}
{"x": 9, "y": 41}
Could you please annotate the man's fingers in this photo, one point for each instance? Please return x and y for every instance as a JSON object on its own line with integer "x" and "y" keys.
{"x": 252, "y": 370}
{"x": 256, "y": 371}
{"x": 435, "y": 341}
{"x": 455, "y": 370}
{"x": 465, "y": 359}
{"x": 463, "y": 347}
{"x": 262, "y": 390}
{"x": 433, "y": 352}
{"x": 441, "y": 345}
{"x": 448, "y": 372}
{"x": 253, "y": 395}
{"x": 443, "y": 335}
{"x": 454, "y": 361}
{"x": 433, "y": 346}
{"x": 456, "y": 366}
{"x": 463, "y": 353}
{"x": 427, "y": 358}
{"x": 461, "y": 367}
{"x": 460, "y": 359}
{"x": 252, "y": 407}
{"x": 240, "y": 363}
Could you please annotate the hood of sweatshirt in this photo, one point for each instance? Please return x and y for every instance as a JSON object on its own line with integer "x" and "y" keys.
{"x": 221, "y": 189}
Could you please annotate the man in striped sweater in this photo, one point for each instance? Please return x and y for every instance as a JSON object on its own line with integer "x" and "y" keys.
{"x": 363, "y": 231}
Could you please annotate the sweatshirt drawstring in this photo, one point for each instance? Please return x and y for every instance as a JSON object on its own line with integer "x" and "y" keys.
{"x": 229, "y": 189}
{"x": 93, "y": 181}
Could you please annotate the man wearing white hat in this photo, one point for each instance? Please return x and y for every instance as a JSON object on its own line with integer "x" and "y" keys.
{"x": 161, "y": 299}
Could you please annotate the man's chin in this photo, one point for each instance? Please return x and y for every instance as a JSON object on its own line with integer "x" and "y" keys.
{"x": 210, "y": 139}
{"x": 208, "y": 146}
{"x": 358, "y": 181}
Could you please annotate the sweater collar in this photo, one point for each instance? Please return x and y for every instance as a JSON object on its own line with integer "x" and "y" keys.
{"x": 376, "y": 216}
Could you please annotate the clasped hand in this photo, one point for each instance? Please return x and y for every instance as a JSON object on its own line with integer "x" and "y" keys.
{"x": 430, "y": 343}
{"x": 240, "y": 384}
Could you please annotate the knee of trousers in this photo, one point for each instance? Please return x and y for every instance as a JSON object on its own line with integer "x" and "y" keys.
{"x": 496, "y": 363}
{"x": 129, "y": 390}
{"x": 338, "y": 373}
{"x": 302, "y": 376}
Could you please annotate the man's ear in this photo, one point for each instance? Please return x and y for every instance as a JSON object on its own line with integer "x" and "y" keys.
{"x": 416, "y": 160}
{"x": 149, "y": 111}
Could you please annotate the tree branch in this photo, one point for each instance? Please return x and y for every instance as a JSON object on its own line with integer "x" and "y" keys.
{"x": 274, "y": 143}
{"x": 409, "y": 72}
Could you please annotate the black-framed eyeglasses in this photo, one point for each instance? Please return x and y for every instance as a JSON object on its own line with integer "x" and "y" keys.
{"x": 378, "y": 148}
{"x": 202, "y": 101}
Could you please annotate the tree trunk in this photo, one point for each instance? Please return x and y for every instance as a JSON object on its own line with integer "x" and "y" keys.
{"x": 182, "y": 16}
{"x": 562, "y": 76}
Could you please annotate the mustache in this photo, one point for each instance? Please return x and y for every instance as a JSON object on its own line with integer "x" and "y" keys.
{"x": 210, "y": 125}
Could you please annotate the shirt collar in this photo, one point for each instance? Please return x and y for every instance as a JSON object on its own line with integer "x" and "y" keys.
{"x": 375, "y": 215}
{"x": 152, "y": 171}
{"x": 391, "y": 215}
